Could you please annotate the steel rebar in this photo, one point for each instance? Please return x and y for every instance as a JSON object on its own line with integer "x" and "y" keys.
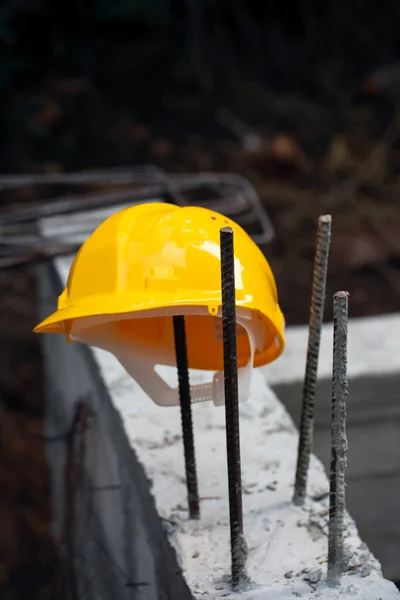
{"x": 186, "y": 416}
{"x": 337, "y": 497}
{"x": 238, "y": 543}
{"x": 306, "y": 433}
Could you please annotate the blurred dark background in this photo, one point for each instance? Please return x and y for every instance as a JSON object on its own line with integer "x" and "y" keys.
{"x": 302, "y": 98}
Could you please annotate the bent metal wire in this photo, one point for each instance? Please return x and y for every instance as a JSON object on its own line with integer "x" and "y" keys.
{"x": 20, "y": 243}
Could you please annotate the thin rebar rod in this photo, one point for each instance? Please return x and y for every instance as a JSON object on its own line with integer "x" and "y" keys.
{"x": 238, "y": 543}
{"x": 306, "y": 432}
{"x": 186, "y": 416}
{"x": 337, "y": 495}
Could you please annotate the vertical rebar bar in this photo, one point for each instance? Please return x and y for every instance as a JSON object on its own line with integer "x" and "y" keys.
{"x": 238, "y": 543}
{"x": 306, "y": 432}
{"x": 337, "y": 497}
{"x": 186, "y": 416}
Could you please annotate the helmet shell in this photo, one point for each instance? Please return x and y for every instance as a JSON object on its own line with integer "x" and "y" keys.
{"x": 156, "y": 256}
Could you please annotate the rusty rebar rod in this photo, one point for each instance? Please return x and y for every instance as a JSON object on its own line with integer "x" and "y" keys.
{"x": 337, "y": 496}
{"x": 186, "y": 416}
{"x": 306, "y": 433}
{"x": 238, "y": 542}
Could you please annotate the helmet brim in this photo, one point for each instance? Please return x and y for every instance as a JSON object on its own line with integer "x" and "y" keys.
{"x": 125, "y": 304}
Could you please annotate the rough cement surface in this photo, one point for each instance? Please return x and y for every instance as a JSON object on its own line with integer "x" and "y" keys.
{"x": 287, "y": 544}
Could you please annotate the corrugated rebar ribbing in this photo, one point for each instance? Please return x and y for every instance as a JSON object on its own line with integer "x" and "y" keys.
{"x": 314, "y": 337}
{"x": 337, "y": 498}
{"x": 238, "y": 543}
{"x": 186, "y": 416}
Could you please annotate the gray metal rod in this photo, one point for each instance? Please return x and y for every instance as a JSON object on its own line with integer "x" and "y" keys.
{"x": 337, "y": 499}
{"x": 238, "y": 543}
{"x": 306, "y": 433}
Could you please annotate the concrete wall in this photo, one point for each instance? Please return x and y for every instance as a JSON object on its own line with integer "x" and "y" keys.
{"x": 119, "y": 538}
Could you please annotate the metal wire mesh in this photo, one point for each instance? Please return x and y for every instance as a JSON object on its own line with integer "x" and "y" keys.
{"x": 20, "y": 242}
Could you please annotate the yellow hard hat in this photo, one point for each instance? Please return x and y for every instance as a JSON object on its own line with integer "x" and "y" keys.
{"x": 153, "y": 260}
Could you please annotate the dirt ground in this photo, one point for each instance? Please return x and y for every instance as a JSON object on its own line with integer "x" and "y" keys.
{"x": 306, "y": 162}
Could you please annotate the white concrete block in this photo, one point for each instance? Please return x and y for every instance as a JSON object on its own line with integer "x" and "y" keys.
{"x": 282, "y": 538}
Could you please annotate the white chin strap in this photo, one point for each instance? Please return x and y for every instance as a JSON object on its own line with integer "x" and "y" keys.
{"x": 142, "y": 369}
{"x": 139, "y": 363}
